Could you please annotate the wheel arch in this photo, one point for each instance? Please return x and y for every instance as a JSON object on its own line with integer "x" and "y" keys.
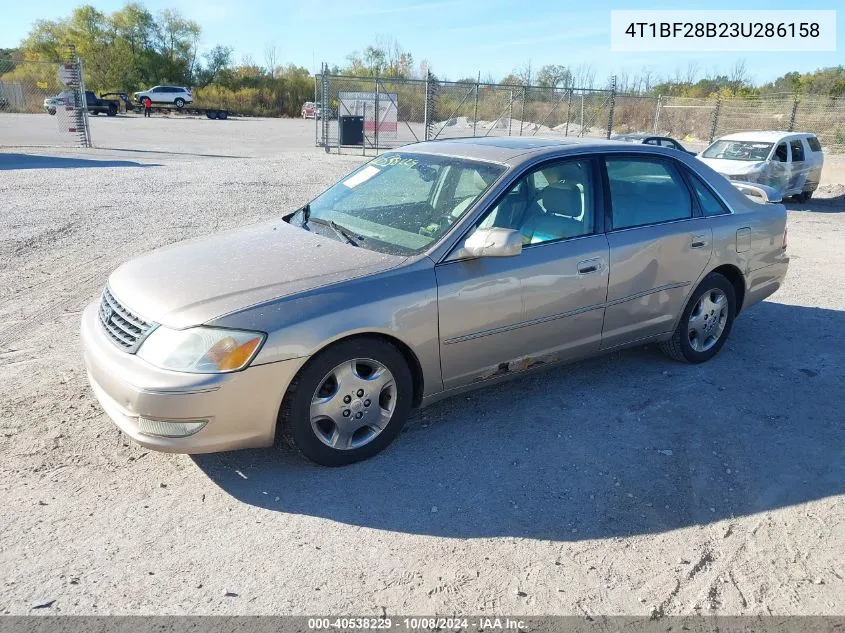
{"x": 737, "y": 279}
{"x": 403, "y": 348}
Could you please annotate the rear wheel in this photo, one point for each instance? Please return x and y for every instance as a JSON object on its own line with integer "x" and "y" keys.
{"x": 222, "y": 115}
{"x": 348, "y": 403}
{"x": 705, "y": 323}
{"x": 211, "y": 114}
{"x": 179, "y": 103}
{"x": 112, "y": 110}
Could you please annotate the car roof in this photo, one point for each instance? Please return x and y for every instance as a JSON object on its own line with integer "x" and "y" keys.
{"x": 770, "y": 136}
{"x": 508, "y": 149}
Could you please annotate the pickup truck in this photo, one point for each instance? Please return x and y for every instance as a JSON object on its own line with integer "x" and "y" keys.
{"x": 93, "y": 102}
{"x": 96, "y": 105}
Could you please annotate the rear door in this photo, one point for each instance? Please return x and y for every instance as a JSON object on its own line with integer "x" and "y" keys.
{"x": 659, "y": 247}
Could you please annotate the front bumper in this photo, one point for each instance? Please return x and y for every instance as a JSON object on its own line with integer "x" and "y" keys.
{"x": 241, "y": 407}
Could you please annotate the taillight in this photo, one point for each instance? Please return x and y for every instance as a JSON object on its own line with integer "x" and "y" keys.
{"x": 190, "y": 95}
{"x": 785, "y": 231}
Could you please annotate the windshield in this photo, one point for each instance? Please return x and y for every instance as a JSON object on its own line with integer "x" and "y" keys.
{"x": 738, "y": 150}
{"x": 401, "y": 203}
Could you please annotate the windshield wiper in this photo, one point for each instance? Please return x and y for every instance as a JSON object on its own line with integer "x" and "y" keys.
{"x": 340, "y": 231}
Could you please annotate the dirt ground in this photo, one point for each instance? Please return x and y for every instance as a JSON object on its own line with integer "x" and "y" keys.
{"x": 627, "y": 484}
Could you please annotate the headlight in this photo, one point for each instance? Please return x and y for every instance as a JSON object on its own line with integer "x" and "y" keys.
{"x": 201, "y": 350}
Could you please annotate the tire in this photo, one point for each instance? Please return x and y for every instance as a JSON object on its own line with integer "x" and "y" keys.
{"x": 211, "y": 114}
{"x": 112, "y": 111}
{"x": 697, "y": 347}
{"x": 222, "y": 115}
{"x": 93, "y": 112}
{"x": 179, "y": 103}
{"x": 51, "y": 112}
{"x": 319, "y": 389}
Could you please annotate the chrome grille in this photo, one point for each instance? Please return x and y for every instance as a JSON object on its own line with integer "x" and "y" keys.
{"x": 125, "y": 329}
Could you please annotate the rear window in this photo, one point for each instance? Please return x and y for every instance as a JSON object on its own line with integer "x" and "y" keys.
{"x": 814, "y": 144}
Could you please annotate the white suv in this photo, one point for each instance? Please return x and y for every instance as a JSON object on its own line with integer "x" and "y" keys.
{"x": 175, "y": 95}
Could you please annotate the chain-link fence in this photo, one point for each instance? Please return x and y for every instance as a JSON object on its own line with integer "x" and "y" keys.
{"x": 395, "y": 112}
{"x": 42, "y": 104}
{"x": 400, "y": 111}
{"x": 685, "y": 118}
{"x": 706, "y": 119}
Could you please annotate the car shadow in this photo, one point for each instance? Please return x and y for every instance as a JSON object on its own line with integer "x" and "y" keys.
{"x": 9, "y": 161}
{"x": 170, "y": 153}
{"x": 836, "y": 204}
{"x": 628, "y": 443}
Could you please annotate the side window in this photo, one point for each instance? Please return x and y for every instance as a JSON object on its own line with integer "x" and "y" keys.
{"x": 797, "y": 150}
{"x": 651, "y": 141}
{"x": 814, "y": 144}
{"x": 780, "y": 153}
{"x": 552, "y": 203}
{"x": 646, "y": 191}
{"x": 707, "y": 200}
{"x": 157, "y": 90}
{"x": 668, "y": 142}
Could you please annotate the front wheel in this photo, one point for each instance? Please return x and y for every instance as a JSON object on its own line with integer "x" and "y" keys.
{"x": 179, "y": 103}
{"x": 348, "y": 403}
{"x": 705, "y": 323}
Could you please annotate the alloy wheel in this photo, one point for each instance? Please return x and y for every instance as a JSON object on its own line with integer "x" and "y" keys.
{"x": 707, "y": 320}
{"x": 353, "y": 404}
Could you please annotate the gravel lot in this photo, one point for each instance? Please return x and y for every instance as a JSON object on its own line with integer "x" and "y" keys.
{"x": 622, "y": 485}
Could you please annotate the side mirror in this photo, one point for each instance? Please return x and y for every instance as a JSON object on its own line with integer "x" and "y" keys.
{"x": 493, "y": 242}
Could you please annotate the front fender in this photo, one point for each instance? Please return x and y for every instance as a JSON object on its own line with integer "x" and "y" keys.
{"x": 400, "y": 303}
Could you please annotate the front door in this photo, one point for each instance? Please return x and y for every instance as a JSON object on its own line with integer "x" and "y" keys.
{"x": 504, "y": 314}
{"x": 780, "y": 168}
{"x": 659, "y": 248}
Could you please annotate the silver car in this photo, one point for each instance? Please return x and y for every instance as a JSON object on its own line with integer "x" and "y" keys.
{"x": 789, "y": 162}
{"x": 434, "y": 269}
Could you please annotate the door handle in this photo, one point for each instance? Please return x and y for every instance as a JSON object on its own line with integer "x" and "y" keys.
{"x": 589, "y": 266}
{"x": 698, "y": 241}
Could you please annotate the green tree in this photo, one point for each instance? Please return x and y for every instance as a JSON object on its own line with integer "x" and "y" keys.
{"x": 554, "y": 76}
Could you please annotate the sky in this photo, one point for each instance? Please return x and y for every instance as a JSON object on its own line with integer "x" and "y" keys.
{"x": 458, "y": 38}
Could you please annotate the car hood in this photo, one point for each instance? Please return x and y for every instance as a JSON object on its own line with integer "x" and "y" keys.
{"x": 734, "y": 167}
{"x": 193, "y": 282}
